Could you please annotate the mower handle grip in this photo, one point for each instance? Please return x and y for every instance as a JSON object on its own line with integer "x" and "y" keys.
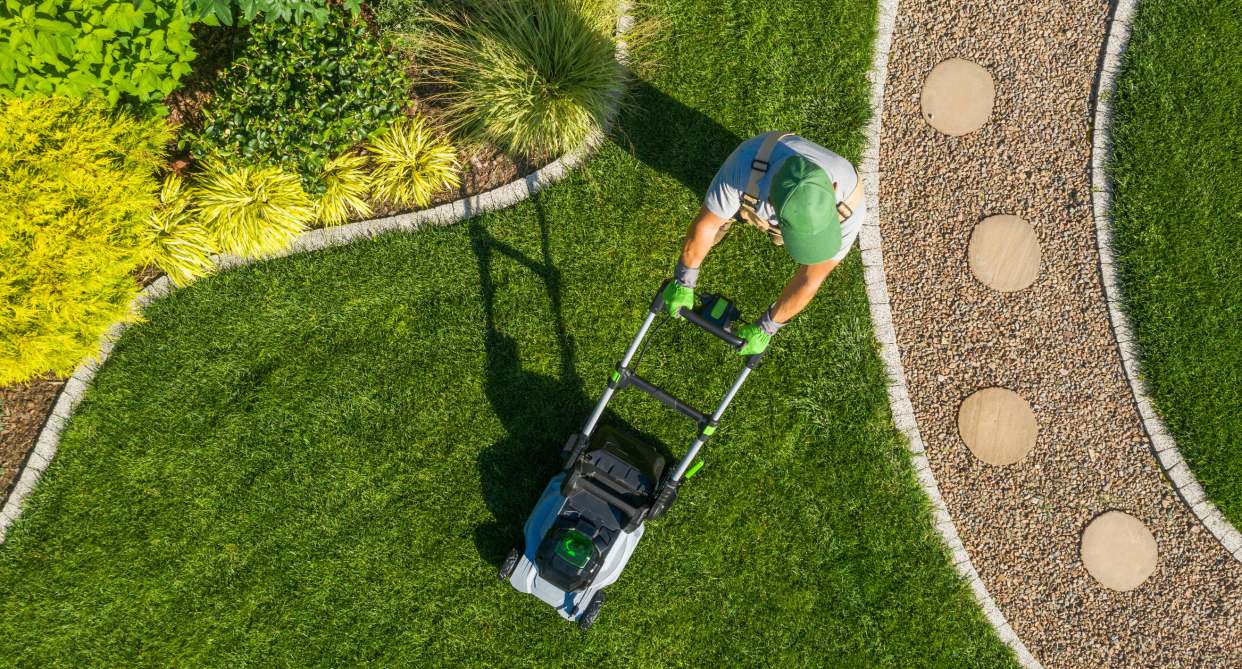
{"x": 720, "y": 333}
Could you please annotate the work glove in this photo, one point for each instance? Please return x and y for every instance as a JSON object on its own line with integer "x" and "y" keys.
{"x": 756, "y": 340}
{"x": 680, "y": 291}
{"x": 677, "y": 296}
{"x": 759, "y": 334}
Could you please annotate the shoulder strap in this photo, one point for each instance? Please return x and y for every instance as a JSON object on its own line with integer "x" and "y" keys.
{"x": 759, "y": 167}
{"x": 846, "y": 207}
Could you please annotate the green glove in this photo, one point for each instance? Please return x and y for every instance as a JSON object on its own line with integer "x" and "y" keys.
{"x": 756, "y": 340}
{"x": 677, "y": 296}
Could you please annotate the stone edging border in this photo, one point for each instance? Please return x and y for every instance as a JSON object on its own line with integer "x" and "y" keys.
{"x": 1175, "y": 468}
{"x": 446, "y": 214}
{"x": 869, "y": 243}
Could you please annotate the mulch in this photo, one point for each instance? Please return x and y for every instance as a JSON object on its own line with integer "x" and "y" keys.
{"x": 1051, "y": 343}
{"x": 24, "y": 409}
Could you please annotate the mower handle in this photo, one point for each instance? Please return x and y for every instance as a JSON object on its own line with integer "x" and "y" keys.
{"x": 720, "y": 333}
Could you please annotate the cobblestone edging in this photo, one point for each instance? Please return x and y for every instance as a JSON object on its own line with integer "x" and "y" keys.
{"x": 1178, "y": 472}
{"x": 870, "y": 244}
{"x": 314, "y": 240}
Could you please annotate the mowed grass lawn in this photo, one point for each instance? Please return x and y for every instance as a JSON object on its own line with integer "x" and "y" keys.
{"x": 319, "y": 461}
{"x": 1178, "y": 226}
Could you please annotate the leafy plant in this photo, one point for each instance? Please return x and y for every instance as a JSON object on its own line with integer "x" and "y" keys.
{"x": 400, "y": 18}
{"x": 271, "y": 10}
{"x": 532, "y": 77}
{"x": 137, "y": 49}
{"x": 346, "y": 181}
{"x": 76, "y": 182}
{"x": 299, "y": 95}
{"x": 252, "y": 211}
{"x": 411, "y": 163}
{"x": 173, "y": 238}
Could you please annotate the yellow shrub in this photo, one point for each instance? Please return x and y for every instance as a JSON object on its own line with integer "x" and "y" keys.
{"x": 252, "y": 211}
{"x": 173, "y": 238}
{"x": 411, "y": 163}
{"x": 347, "y": 184}
{"x": 76, "y": 182}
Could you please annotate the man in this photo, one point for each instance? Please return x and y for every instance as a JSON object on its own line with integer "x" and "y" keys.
{"x": 807, "y": 198}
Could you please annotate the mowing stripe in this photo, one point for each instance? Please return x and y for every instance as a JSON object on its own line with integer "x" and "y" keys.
{"x": 1162, "y": 442}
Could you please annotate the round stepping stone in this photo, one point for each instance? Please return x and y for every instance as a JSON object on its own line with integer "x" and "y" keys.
{"x": 998, "y": 426}
{"x": 1119, "y": 551}
{"x": 957, "y": 97}
{"x": 1004, "y": 253}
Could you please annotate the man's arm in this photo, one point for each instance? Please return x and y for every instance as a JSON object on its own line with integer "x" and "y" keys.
{"x": 800, "y": 289}
{"x": 700, "y": 237}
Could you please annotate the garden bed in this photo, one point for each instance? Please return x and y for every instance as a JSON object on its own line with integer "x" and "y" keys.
{"x": 23, "y": 411}
{"x": 483, "y": 167}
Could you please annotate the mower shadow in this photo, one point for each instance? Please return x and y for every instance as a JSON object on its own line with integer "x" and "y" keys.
{"x": 538, "y": 411}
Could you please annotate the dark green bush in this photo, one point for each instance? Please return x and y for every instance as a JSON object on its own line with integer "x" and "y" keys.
{"x": 136, "y": 49}
{"x": 270, "y": 10}
{"x": 298, "y": 95}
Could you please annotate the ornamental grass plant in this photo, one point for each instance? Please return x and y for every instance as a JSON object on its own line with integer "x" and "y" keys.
{"x": 412, "y": 161}
{"x": 173, "y": 237}
{"x": 532, "y": 77}
{"x": 346, "y": 181}
{"x": 252, "y": 211}
{"x": 76, "y": 183}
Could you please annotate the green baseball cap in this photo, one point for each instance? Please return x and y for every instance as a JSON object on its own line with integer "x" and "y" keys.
{"x": 806, "y": 206}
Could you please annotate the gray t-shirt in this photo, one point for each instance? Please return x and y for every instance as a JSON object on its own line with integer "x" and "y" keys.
{"x": 724, "y": 196}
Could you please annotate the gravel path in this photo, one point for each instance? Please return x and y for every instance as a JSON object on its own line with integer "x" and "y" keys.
{"x": 1021, "y": 524}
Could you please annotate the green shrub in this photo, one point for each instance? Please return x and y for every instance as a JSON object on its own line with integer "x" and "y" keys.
{"x": 532, "y": 77}
{"x": 173, "y": 238}
{"x": 270, "y": 10}
{"x": 346, "y": 181}
{"x": 299, "y": 95}
{"x": 398, "y": 18}
{"x": 135, "y": 49}
{"x": 411, "y": 163}
{"x": 76, "y": 182}
{"x": 252, "y": 211}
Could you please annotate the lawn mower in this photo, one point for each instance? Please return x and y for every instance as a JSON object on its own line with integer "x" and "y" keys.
{"x": 589, "y": 519}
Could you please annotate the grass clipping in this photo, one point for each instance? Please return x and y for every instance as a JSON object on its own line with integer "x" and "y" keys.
{"x": 531, "y": 77}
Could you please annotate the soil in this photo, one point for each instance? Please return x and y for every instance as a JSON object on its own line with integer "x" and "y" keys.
{"x": 1051, "y": 343}
{"x": 24, "y": 409}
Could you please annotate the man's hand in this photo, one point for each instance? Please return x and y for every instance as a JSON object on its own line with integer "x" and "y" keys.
{"x": 677, "y": 296}
{"x": 756, "y": 340}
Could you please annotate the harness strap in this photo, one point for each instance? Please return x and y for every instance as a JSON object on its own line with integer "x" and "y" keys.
{"x": 846, "y": 207}
{"x": 750, "y": 198}
{"x": 758, "y": 168}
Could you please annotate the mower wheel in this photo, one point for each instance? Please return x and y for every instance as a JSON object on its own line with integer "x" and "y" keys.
{"x": 591, "y": 612}
{"x": 510, "y": 563}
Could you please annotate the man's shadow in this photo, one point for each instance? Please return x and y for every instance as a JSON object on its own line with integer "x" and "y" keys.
{"x": 538, "y": 412}
{"x": 673, "y": 139}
